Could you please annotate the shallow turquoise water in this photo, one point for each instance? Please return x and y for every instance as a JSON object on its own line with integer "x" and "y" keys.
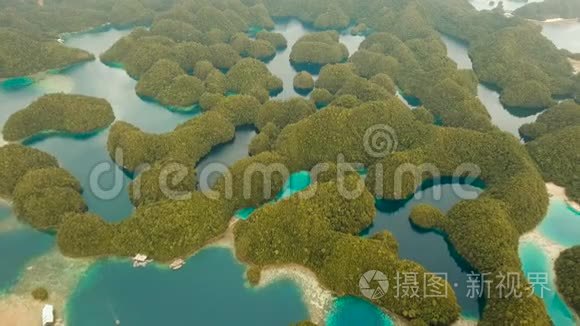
{"x": 349, "y": 311}
{"x": 534, "y": 260}
{"x": 561, "y": 224}
{"x": 5, "y": 211}
{"x": 430, "y": 248}
{"x": 297, "y": 182}
{"x": 16, "y": 83}
{"x": 208, "y": 290}
{"x": 17, "y": 247}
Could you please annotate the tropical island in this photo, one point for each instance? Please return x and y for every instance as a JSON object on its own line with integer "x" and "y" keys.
{"x": 74, "y": 114}
{"x": 566, "y": 266}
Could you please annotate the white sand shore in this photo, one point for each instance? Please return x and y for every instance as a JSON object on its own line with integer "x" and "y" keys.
{"x": 575, "y": 64}
{"x": 560, "y": 192}
{"x": 317, "y": 298}
{"x": 551, "y": 248}
{"x": 58, "y": 274}
{"x": 560, "y": 20}
{"x": 465, "y": 322}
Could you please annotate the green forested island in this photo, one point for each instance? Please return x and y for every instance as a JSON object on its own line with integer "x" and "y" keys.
{"x": 566, "y": 267}
{"x": 318, "y": 49}
{"x": 75, "y": 114}
{"x": 23, "y": 55}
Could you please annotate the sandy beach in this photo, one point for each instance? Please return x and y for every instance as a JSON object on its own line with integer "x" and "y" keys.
{"x": 316, "y": 297}
{"x": 560, "y": 192}
{"x": 575, "y": 64}
{"x": 551, "y": 248}
{"x": 560, "y": 21}
{"x": 58, "y": 274}
{"x": 465, "y": 322}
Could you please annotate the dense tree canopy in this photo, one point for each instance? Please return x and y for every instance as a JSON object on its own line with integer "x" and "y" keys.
{"x": 557, "y": 157}
{"x": 303, "y": 82}
{"x": 276, "y": 39}
{"x": 23, "y": 55}
{"x": 75, "y": 114}
{"x": 167, "y": 83}
{"x": 250, "y": 75}
{"x": 43, "y": 196}
{"x": 567, "y": 266}
{"x": 318, "y": 49}
{"x": 564, "y": 114}
{"x": 283, "y": 113}
{"x": 17, "y": 160}
{"x": 320, "y": 226}
{"x": 194, "y": 52}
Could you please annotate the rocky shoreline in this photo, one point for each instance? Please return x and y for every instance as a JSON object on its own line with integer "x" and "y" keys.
{"x": 560, "y": 192}
{"x": 317, "y": 298}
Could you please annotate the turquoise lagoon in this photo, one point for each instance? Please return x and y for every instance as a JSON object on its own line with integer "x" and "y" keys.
{"x": 535, "y": 260}
{"x": 349, "y": 311}
{"x": 561, "y": 224}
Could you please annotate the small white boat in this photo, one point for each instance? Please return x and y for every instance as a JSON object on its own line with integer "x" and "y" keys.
{"x": 48, "y": 315}
{"x": 177, "y": 264}
{"x": 141, "y": 260}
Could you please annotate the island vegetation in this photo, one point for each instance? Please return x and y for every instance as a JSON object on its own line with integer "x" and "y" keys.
{"x": 566, "y": 268}
{"x": 303, "y": 83}
{"x": 40, "y": 294}
{"x": 257, "y": 49}
{"x": 167, "y": 83}
{"x": 252, "y": 77}
{"x": 16, "y": 160}
{"x": 197, "y": 52}
{"x": 276, "y": 39}
{"x": 22, "y": 54}
{"x": 74, "y": 114}
{"x": 566, "y": 113}
{"x": 556, "y": 154}
{"x": 496, "y": 43}
{"x": 331, "y": 250}
{"x": 315, "y": 50}
{"x": 42, "y": 193}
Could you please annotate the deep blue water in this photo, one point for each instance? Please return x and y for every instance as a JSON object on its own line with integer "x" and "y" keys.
{"x": 209, "y": 290}
{"x": 430, "y": 248}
